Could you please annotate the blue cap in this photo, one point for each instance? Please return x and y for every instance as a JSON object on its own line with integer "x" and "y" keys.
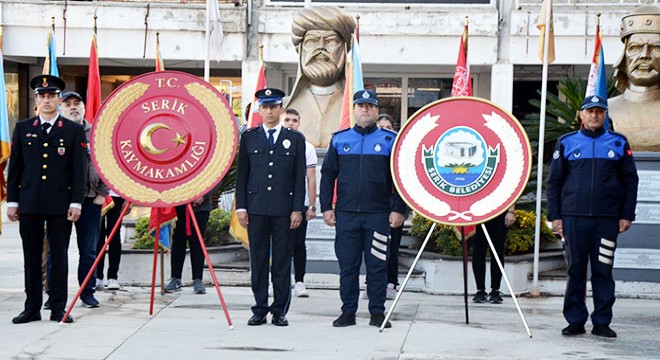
{"x": 269, "y": 96}
{"x": 365, "y": 96}
{"x": 594, "y": 101}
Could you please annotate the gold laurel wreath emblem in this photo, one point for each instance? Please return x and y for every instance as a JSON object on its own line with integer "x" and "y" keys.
{"x": 110, "y": 168}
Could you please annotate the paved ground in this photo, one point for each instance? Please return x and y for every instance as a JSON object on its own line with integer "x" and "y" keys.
{"x": 185, "y": 325}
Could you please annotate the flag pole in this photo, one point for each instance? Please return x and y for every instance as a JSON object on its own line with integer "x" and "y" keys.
{"x": 207, "y": 61}
{"x": 539, "y": 173}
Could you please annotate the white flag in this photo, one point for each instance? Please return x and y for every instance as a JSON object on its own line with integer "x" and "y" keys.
{"x": 216, "y": 34}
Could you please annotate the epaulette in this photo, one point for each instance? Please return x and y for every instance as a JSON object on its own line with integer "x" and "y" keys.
{"x": 340, "y": 131}
{"x": 252, "y": 128}
{"x": 390, "y": 131}
{"x": 618, "y": 134}
{"x": 293, "y": 131}
{"x": 568, "y": 134}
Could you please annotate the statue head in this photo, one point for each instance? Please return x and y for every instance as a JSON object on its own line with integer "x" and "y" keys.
{"x": 321, "y": 35}
{"x": 639, "y": 64}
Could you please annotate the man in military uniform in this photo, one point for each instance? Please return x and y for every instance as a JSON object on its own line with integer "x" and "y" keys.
{"x": 270, "y": 194}
{"x": 367, "y": 207}
{"x": 45, "y": 187}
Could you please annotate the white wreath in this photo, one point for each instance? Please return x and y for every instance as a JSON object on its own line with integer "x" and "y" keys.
{"x": 407, "y": 168}
{"x": 514, "y": 168}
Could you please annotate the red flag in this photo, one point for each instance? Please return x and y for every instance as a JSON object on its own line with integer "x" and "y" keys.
{"x": 462, "y": 86}
{"x": 93, "y": 103}
{"x": 354, "y": 82}
{"x": 162, "y": 219}
{"x": 254, "y": 118}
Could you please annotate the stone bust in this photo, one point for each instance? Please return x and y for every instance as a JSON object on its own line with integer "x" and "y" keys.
{"x": 321, "y": 35}
{"x": 636, "y": 113}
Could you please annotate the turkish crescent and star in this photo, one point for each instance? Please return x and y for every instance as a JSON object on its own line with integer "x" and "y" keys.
{"x": 147, "y": 134}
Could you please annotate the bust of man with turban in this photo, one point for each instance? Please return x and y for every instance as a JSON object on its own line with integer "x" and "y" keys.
{"x": 637, "y": 74}
{"x": 321, "y": 35}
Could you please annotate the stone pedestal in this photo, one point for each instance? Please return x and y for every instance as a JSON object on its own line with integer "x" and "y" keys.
{"x": 320, "y": 240}
{"x": 637, "y": 256}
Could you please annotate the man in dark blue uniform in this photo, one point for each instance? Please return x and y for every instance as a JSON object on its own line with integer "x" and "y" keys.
{"x": 270, "y": 194}
{"x": 45, "y": 187}
{"x": 592, "y": 194}
{"x": 367, "y": 206}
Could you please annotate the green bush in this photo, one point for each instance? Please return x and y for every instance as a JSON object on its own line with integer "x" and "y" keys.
{"x": 217, "y": 230}
{"x": 519, "y": 239}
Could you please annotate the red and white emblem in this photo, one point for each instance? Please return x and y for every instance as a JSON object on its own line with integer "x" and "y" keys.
{"x": 461, "y": 161}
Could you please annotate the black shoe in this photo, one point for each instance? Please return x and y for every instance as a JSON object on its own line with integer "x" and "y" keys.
{"x": 256, "y": 320}
{"x": 26, "y": 317}
{"x": 603, "y": 330}
{"x": 58, "y": 315}
{"x": 89, "y": 301}
{"x": 495, "y": 297}
{"x": 279, "y": 320}
{"x": 377, "y": 320}
{"x": 345, "y": 319}
{"x": 47, "y": 305}
{"x": 573, "y": 329}
{"x": 480, "y": 297}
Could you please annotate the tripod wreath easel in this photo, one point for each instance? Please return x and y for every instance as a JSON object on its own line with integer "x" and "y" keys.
{"x": 200, "y": 238}
{"x": 163, "y": 139}
{"x": 461, "y": 161}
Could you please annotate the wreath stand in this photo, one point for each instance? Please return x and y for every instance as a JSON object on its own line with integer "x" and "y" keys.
{"x": 153, "y": 273}
{"x": 493, "y": 255}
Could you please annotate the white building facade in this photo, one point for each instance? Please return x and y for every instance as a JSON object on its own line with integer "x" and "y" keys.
{"x": 409, "y": 45}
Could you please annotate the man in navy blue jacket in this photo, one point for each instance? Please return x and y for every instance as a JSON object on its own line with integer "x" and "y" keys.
{"x": 592, "y": 194}
{"x": 270, "y": 197}
{"x": 367, "y": 206}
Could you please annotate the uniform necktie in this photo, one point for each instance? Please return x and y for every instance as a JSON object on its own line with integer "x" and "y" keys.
{"x": 44, "y": 128}
{"x": 271, "y": 138}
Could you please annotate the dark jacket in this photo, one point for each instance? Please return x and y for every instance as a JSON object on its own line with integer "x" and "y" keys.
{"x": 47, "y": 174}
{"x": 592, "y": 173}
{"x": 94, "y": 185}
{"x": 359, "y": 159}
{"x": 271, "y": 182}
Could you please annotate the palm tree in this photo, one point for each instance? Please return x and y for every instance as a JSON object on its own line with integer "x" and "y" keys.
{"x": 561, "y": 118}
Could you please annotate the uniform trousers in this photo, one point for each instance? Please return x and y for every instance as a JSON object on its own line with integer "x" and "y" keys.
{"x": 393, "y": 256}
{"x": 362, "y": 235}
{"x": 590, "y": 240}
{"x": 31, "y": 228}
{"x": 271, "y": 246}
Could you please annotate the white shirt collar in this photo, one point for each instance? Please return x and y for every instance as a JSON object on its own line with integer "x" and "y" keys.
{"x": 278, "y": 129}
{"x": 51, "y": 121}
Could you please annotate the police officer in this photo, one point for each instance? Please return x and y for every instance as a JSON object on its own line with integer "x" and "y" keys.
{"x": 270, "y": 194}
{"x": 45, "y": 187}
{"x": 367, "y": 206}
{"x": 592, "y": 194}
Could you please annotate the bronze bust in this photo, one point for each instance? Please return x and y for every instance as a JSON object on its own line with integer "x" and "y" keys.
{"x": 636, "y": 113}
{"x": 321, "y": 35}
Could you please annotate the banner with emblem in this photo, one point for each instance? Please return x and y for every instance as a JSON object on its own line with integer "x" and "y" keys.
{"x": 461, "y": 161}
